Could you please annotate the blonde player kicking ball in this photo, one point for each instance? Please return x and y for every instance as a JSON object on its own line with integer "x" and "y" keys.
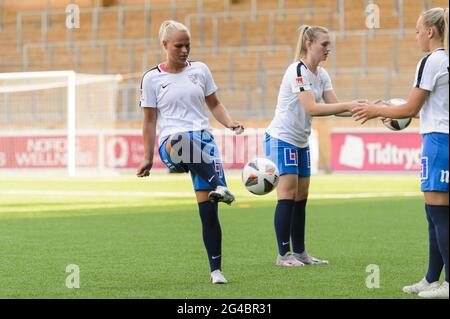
{"x": 429, "y": 96}
{"x": 304, "y": 85}
{"x": 174, "y": 94}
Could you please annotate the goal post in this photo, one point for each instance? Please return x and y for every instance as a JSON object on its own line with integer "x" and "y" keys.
{"x": 59, "y": 101}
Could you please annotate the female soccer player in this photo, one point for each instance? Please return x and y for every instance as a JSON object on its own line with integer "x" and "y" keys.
{"x": 429, "y": 96}
{"x": 304, "y": 84}
{"x": 173, "y": 94}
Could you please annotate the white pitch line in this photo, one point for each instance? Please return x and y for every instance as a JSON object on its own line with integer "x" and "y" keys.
{"x": 364, "y": 195}
{"x": 188, "y": 195}
{"x": 96, "y": 194}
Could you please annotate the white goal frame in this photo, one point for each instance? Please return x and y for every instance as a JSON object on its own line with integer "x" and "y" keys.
{"x": 71, "y": 80}
{"x": 70, "y": 77}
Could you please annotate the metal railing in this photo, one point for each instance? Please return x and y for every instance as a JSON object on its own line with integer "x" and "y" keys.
{"x": 147, "y": 7}
{"x": 75, "y": 48}
{"x": 254, "y": 7}
{"x": 365, "y": 36}
{"x": 46, "y": 15}
{"x": 104, "y": 47}
{"x": 398, "y": 11}
{"x": 427, "y": 4}
{"x": 340, "y": 11}
{"x": 252, "y": 101}
{"x": 259, "y": 101}
{"x": 260, "y": 50}
{"x": 271, "y": 14}
{"x": 247, "y": 101}
{"x": 1, "y": 15}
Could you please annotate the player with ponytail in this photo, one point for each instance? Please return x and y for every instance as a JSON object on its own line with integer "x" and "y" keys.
{"x": 429, "y": 99}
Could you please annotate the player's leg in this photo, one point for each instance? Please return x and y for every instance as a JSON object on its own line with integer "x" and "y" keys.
{"x": 434, "y": 185}
{"x": 299, "y": 212}
{"x": 435, "y": 261}
{"x": 437, "y": 204}
{"x": 211, "y": 231}
{"x": 184, "y": 148}
{"x": 284, "y": 156}
{"x": 298, "y": 225}
{"x": 299, "y": 216}
{"x": 287, "y": 187}
{"x": 212, "y": 235}
{"x": 435, "y": 182}
{"x": 286, "y": 190}
{"x": 189, "y": 149}
{"x": 208, "y": 210}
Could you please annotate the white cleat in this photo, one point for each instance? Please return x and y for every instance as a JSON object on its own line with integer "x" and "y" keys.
{"x": 309, "y": 260}
{"x": 221, "y": 194}
{"x": 217, "y": 277}
{"x": 288, "y": 260}
{"x": 422, "y": 285}
{"x": 437, "y": 293}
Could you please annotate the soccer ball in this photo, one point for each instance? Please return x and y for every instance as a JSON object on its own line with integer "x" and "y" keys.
{"x": 396, "y": 124}
{"x": 260, "y": 176}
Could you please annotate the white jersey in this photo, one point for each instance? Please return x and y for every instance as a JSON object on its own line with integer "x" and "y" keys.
{"x": 432, "y": 75}
{"x": 179, "y": 98}
{"x": 291, "y": 123}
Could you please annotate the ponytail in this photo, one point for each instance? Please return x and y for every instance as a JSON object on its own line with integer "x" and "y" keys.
{"x": 437, "y": 18}
{"x": 306, "y": 33}
{"x": 300, "y": 50}
{"x": 168, "y": 26}
{"x": 446, "y": 30}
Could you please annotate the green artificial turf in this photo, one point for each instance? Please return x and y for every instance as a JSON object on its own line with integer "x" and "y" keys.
{"x": 130, "y": 245}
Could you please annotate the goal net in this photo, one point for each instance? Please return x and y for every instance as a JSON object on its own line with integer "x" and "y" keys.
{"x": 50, "y": 120}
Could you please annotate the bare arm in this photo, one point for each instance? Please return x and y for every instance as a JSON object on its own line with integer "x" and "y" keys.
{"x": 324, "y": 109}
{"x": 330, "y": 97}
{"x": 220, "y": 113}
{"x": 148, "y": 135}
{"x": 411, "y": 108}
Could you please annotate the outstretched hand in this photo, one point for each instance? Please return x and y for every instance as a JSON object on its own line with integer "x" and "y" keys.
{"x": 144, "y": 169}
{"x": 236, "y": 127}
{"x": 367, "y": 112}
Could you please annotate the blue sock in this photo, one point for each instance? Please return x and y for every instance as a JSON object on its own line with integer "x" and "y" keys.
{"x": 298, "y": 227}
{"x": 435, "y": 262}
{"x": 439, "y": 216}
{"x": 283, "y": 213}
{"x": 198, "y": 162}
{"x": 212, "y": 233}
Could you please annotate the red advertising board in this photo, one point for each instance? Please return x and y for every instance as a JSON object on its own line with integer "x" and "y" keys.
{"x": 46, "y": 151}
{"x": 375, "y": 151}
{"x": 126, "y": 151}
{"x": 111, "y": 150}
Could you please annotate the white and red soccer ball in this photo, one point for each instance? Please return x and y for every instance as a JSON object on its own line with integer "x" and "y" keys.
{"x": 396, "y": 124}
{"x": 260, "y": 176}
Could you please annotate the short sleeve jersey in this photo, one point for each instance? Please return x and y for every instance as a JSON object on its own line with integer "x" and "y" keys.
{"x": 291, "y": 123}
{"x": 432, "y": 75}
{"x": 179, "y": 98}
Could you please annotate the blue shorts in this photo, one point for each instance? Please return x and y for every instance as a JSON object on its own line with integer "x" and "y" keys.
{"x": 434, "y": 174}
{"x": 289, "y": 158}
{"x": 206, "y": 140}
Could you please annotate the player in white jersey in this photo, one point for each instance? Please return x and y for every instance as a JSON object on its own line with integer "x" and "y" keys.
{"x": 429, "y": 99}
{"x": 304, "y": 85}
{"x": 173, "y": 95}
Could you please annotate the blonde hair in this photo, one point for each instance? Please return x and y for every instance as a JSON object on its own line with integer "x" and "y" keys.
{"x": 306, "y": 33}
{"x": 437, "y": 18}
{"x": 167, "y": 28}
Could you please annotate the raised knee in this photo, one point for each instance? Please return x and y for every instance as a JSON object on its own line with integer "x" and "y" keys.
{"x": 301, "y": 196}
